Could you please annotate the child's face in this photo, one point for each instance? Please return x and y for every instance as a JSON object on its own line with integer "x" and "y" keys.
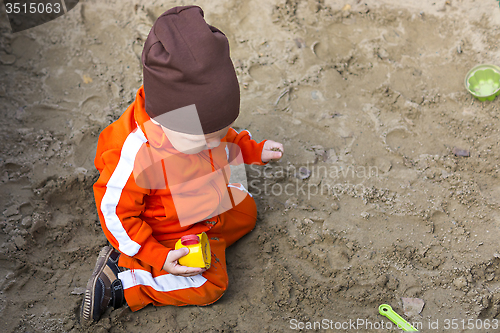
{"x": 191, "y": 143}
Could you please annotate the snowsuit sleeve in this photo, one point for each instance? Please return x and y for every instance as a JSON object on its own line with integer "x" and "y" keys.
{"x": 120, "y": 202}
{"x": 250, "y": 149}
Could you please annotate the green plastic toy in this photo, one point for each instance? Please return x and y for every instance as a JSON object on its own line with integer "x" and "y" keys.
{"x": 483, "y": 82}
{"x": 387, "y": 311}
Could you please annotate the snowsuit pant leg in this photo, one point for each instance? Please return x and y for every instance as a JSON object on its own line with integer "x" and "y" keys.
{"x": 145, "y": 285}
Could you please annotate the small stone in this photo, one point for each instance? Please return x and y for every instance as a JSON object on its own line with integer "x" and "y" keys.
{"x": 19, "y": 241}
{"x": 393, "y": 283}
{"x": 69, "y": 325}
{"x": 412, "y": 306}
{"x": 9, "y": 246}
{"x": 460, "y": 152}
{"x": 7, "y": 59}
{"x": 315, "y": 218}
{"x": 81, "y": 170}
{"x": 121, "y": 314}
{"x": 308, "y": 221}
{"x": 291, "y": 203}
{"x": 38, "y": 223}
{"x": 381, "y": 280}
{"x": 365, "y": 215}
{"x": 318, "y": 150}
{"x": 78, "y": 291}
{"x": 300, "y": 43}
{"x": 460, "y": 282}
{"x": 451, "y": 164}
{"x": 335, "y": 205}
{"x": 382, "y": 54}
{"x": 303, "y": 173}
{"x": 26, "y": 222}
{"x": 12, "y": 210}
{"x": 384, "y": 165}
{"x": 429, "y": 174}
{"x": 15, "y": 218}
{"x": 315, "y": 94}
{"x": 331, "y": 156}
{"x": 445, "y": 174}
{"x": 86, "y": 79}
{"x": 105, "y": 323}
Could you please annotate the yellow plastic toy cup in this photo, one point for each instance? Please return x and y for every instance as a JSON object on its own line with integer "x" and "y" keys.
{"x": 199, "y": 250}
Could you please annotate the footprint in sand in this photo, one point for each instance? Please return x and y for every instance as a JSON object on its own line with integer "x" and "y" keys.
{"x": 403, "y": 142}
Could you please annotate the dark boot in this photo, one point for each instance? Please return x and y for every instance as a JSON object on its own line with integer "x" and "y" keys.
{"x": 104, "y": 288}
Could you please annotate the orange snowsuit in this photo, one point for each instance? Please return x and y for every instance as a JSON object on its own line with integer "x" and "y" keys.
{"x": 145, "y": 186}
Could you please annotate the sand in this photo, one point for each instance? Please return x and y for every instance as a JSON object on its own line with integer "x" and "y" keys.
{"x": 368, "y": 205}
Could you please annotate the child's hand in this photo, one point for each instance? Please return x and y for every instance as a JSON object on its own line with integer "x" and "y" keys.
{"x": 272, "y": 151}
{"x": 172, "y": 266}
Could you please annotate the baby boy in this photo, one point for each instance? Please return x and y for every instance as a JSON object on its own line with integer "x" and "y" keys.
{"x": 164, "y": 172}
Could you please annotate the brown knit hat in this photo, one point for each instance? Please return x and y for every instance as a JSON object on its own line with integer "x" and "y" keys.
{"x": 189, "y": 80}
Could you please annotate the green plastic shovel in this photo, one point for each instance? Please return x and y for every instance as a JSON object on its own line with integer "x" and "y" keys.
{"x": 386, "y": 310}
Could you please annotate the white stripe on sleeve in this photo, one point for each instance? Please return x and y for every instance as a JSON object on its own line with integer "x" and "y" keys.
{"x": 240, "y": 187}
{"x": 114, "y": 189}
{"x": 163, "y": 283}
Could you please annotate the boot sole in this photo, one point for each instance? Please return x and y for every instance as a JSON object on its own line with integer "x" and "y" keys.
{"x": 87, "y": 312}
